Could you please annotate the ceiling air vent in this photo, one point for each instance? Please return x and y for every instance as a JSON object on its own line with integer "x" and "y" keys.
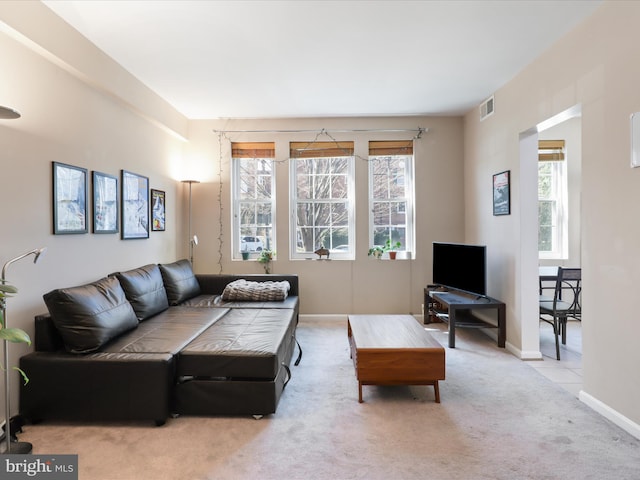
{"x": 486, "y": 108}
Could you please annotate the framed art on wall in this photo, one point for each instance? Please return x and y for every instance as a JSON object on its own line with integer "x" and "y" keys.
{"x": 69, "y": 199}
{"x": 105, "y": 203}
{"x": 501, "y": 193}
{"x": 135, "y": 206}
{"x": 157, "y": 210}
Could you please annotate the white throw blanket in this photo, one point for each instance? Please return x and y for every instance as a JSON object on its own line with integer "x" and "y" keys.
{"x": 243, "y": 290}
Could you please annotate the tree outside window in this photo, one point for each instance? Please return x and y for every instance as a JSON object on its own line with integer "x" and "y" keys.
{"x": 322, "y": 188}
{"x": 254, "y": 198}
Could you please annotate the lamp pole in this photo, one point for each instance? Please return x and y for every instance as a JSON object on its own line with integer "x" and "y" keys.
{"x": 193, "y": 239}
{"x": 15, "y": 447}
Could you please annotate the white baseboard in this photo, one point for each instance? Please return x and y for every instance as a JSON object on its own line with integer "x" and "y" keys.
{"x": 524, "y": 354}
{"x": 610, "y": 414}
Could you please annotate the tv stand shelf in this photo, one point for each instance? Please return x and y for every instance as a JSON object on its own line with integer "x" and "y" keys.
{"x": 456, "y": 308}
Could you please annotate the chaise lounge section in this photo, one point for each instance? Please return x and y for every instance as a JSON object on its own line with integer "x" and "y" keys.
{"x": 159, "y": 340}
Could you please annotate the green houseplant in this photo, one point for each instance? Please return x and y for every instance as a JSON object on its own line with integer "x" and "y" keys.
{"x": 265, "y": 258}
{"x": 389, "y": 246}
{"x": 376, "y": 251}
{"x": 392, "y": 248}
{"x": 14, "y": 335}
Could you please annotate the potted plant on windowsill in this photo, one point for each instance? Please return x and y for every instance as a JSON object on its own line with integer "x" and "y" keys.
{"x": 265, "y": 258}
{"x": 390, "y": 247}
{"x": 376, "y": 252}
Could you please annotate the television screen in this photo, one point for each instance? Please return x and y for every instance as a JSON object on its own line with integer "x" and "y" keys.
{"x": 459, "y": 266}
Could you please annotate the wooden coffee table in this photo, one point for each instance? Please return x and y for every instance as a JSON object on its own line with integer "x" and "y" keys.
{"x": 394, "y": 350}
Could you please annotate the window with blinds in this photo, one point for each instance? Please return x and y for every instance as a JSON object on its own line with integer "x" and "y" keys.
{"x": 253, "y": 192}
{"x": 391, "y": 193}
{"x": 322, "y": 199}
{"x": 552, "y": 199}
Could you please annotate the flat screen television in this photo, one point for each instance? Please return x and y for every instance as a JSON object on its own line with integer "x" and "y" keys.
{"x": 461, "y": 267}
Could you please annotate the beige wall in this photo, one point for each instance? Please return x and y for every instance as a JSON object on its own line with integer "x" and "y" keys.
{"x": 335, "y": 287}
{"x": 67, "y": 118}
{"x": 594, "y": 67}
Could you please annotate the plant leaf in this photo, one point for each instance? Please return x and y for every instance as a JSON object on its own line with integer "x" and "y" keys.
{"x": 15, "y": 335}
{"x": 24, "y": 375}
{"x": 8, "y": 288}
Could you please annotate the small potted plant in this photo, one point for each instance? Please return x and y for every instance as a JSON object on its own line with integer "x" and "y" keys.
{"x": 391, "y": 248}
{"x": 376, "y": 252}
{"x": 265, "y": 258}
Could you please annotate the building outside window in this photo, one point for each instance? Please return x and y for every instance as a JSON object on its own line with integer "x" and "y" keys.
{"x": 391, "y": 193}
{"x": 322, "y": 199}
{"x": 254, "y": 207}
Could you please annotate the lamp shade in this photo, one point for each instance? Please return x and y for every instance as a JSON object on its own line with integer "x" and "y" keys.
{"x": 7, "y": 113}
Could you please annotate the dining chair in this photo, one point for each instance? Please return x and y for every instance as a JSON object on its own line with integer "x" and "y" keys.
{"x": 566, "y": 303}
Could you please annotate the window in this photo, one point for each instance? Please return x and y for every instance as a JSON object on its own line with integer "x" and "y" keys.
{"x": 552, "y": 200}
{"x": 391, "y": 193}
{"x": 322, "y": 186}
{"x": 253, "y": 187}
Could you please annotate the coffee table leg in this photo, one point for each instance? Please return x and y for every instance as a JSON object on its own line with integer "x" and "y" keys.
{"x": 359, "y": 392}
{"x": 437, "y": 390}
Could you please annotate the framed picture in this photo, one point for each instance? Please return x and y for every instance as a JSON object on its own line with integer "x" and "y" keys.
{"x": 105, "y": 203}
{"x": 501, "y": 194}
{"x": 69, "y": 199}
{"x": 157, "y": 210}
{"x": 135, "y": 206}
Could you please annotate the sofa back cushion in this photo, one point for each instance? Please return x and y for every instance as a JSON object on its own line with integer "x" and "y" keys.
{"x": 179, "y": 281}
{"x": 145, "y": 291}
{"x": 90, "y": 315}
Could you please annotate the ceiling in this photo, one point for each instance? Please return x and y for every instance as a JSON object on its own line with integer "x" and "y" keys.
{"x": 322, "y": 58}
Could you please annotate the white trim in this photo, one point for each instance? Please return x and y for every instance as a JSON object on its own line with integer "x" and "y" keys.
{"x": 610, "y": 414}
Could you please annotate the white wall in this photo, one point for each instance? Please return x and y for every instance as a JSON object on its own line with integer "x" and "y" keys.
{"x": 594, "y": 66}
{"x": 67, "y": 118}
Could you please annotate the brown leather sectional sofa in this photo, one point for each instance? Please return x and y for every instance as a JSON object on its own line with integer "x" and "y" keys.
{"x": 157, "y": 341}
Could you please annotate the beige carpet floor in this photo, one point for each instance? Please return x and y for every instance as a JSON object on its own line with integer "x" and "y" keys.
{"x": 499, "y": 419}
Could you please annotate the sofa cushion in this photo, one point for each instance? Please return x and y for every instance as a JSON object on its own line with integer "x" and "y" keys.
{"x": 179, "y": 281}
{"x": 90, "y": 315}
{"x": 145, "y": 291}
{"x": 243, "y": 290}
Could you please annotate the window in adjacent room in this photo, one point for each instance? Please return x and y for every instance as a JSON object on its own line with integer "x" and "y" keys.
{"x": 322, "y": 199}
{"x": 552, "y": 200}
{"x": 254, "y": 207}
{"x": 391, "y": 193}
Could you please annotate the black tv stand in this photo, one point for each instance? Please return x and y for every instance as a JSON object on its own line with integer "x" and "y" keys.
{"x": 455, "y": 308}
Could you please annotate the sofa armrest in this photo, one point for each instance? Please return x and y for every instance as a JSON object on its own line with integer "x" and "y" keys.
{"x": 213, "y": 283}
{"x": 97, "y": 386}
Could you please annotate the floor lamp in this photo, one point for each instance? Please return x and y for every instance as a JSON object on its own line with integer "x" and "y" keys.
{"x": 15, "y": 447}
{"x": 193, "y": 239}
